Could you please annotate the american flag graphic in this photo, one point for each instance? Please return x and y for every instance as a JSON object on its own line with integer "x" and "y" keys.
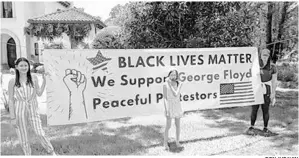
{"x": 235, "y": 93}
{"x": 99, "y": 61}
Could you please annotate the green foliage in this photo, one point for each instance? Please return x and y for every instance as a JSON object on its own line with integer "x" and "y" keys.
{"x": 289, "y": 85}
{"x": 109, "y": 38}
{"x": 204, "y": 24}
{"x": 284, "y": 29}
{"x": 120, "y": 14}
{"x": 77, "y": 32}
{"x": 288, "y": 72}
{"x": 186, "y": 24}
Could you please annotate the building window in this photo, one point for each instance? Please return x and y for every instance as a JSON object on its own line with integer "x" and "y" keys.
{"x": 6, "y": 10}
{"x": 36, "y": 49}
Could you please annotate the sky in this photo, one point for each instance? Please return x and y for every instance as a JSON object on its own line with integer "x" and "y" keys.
{"x": 99, "y": 8}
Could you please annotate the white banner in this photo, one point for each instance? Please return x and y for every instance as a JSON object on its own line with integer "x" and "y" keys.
{"x": 92, "y": 85}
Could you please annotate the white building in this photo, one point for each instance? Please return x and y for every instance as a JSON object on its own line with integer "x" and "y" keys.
{"x": 17, "y": 15}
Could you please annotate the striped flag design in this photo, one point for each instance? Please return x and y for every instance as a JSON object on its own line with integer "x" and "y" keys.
{"x": 235, "y": 93}
{"x": 99, "y": 61}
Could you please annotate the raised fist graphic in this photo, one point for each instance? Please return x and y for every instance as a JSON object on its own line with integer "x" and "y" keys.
{"x": 75, "y": 82}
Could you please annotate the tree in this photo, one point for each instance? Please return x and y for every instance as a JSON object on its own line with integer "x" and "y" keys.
{"x": 76, "y": 32}
{"x": 282, "y": 17}
{"x": 207, "y": 24}
{"x": 187, "y": 24}
{"x": 116, "y": 11}
{"x": 109, "y": 38}
{"x": 119, "y": 14}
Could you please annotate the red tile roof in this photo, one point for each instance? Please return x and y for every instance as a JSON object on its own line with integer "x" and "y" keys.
{"x": 72, "y": 15}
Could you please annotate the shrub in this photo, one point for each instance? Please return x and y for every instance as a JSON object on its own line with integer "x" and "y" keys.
{"x": 287, "y": 72}
{"x": 109, "y": 38}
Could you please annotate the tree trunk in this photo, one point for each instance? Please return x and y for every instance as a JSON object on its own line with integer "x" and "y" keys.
{"x": 280, "y": 32}
{"x": 269, "y": 22}
{"x": 283, "y": 17}
{"x": 263, "y": 25}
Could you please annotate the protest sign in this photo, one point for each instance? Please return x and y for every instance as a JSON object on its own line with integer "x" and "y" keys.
{"x": 91, "y": 85}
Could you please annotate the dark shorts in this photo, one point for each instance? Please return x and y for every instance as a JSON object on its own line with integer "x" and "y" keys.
{"x": 267, "y": 95}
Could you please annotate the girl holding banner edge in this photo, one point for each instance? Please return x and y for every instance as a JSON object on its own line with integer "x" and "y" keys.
{"x": 23, "y": 105}
{"x": 172, "y": 105}
{"x": 268, "y": 74}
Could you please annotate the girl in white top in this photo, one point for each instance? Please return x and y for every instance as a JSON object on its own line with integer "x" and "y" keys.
{"x": 173, "y": 109}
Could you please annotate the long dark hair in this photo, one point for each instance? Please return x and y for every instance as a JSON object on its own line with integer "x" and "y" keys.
{"x": 29, "y": 78}
{"x": 177, "y": 75}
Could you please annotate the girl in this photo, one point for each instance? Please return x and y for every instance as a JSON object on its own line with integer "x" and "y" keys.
{"x": 173, "y": 109}
{"x": 269, "y": 82}
{"x": 23, "y": 105}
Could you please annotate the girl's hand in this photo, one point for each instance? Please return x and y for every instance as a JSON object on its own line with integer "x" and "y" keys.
{"x": 166, "y": 112}
{"x": 167, "y": 79}
{"x": 180, "y": 84}
{"x": 41, "y": 70}
{"x": 272, "y": 100}
{"x": 44, "y": 76}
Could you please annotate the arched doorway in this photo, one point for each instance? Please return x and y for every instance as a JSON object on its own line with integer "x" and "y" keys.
{"x": 11, "y": 52}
